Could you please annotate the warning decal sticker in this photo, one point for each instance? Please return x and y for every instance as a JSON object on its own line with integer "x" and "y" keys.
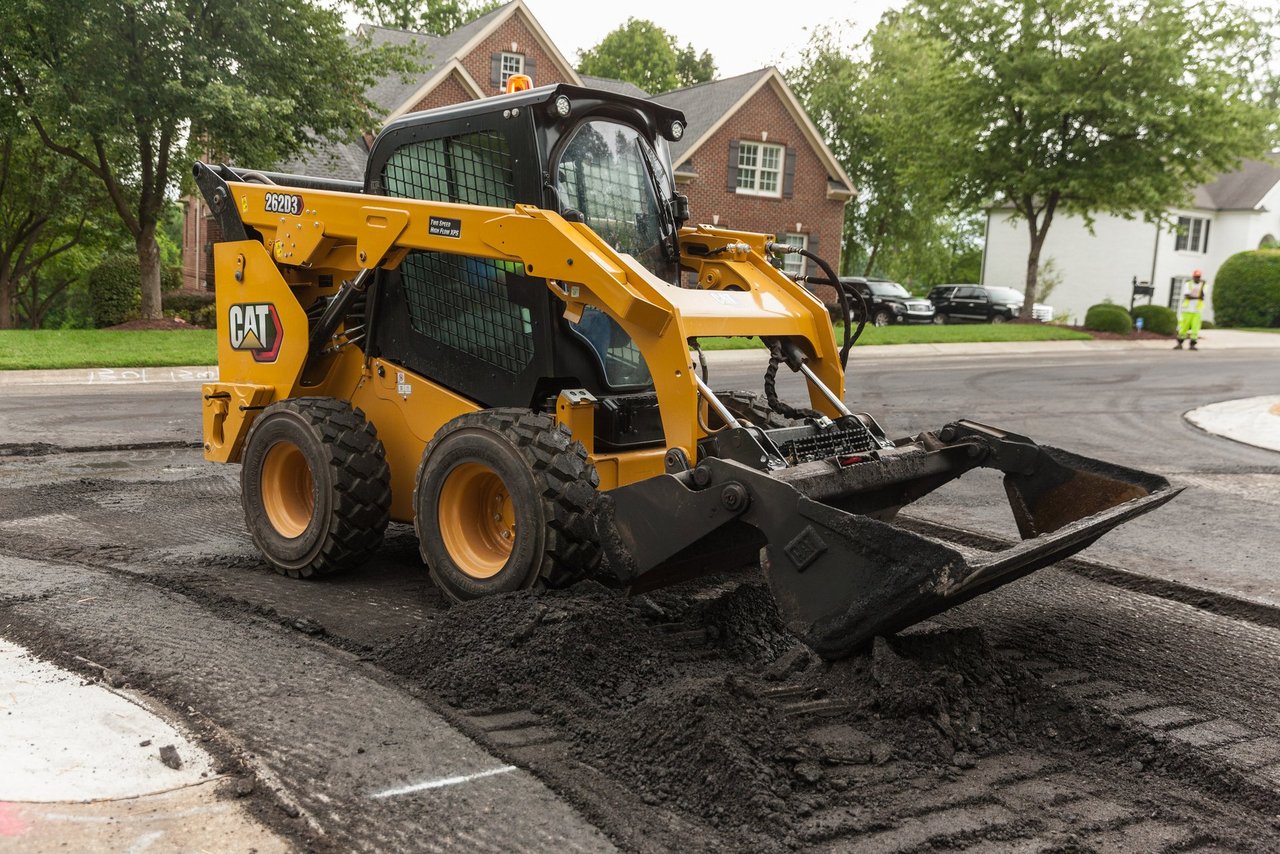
{"x": 444, "y": 227}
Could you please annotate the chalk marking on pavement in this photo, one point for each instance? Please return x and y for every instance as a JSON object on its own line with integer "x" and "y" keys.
{"x": 441, "y": 782}
{"x": 145, "y": 841}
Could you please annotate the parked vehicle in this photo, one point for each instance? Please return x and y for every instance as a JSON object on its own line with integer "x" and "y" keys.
{"x": 979, "y": 304}
{"x": 887, "y": 302}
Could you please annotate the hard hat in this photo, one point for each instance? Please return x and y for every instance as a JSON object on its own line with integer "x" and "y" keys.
{"x": 1195, "y": 274}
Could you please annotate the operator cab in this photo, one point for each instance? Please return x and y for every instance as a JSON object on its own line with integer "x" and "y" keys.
{"x": 487, "y": 329}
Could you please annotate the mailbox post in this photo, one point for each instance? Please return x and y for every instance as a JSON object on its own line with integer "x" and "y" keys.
{"x": 1141, "y": 289}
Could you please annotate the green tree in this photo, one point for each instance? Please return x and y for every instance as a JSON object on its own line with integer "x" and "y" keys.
{"x": 1091, "y": 106}
{"x": 132, "y": 92}
{"x": 48, "y": 215}
{"x": 693, "y": 67}
{"x": 645, "y": 54}
{"x": 875, "y": 105}
{"x": 439, "y": 17}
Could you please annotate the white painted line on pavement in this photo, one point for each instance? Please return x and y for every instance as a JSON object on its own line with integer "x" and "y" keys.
{"x": 441, "y": 782}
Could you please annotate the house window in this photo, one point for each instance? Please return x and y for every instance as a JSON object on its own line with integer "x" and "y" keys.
{"x": 512, "y": 63}
{"x": 794, "y": 263}
{"x": 760, "y": 168}
{"x": 1193, "y": 235}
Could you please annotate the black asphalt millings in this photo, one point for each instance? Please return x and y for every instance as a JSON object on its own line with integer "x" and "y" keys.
{"x": 698, "y": 700}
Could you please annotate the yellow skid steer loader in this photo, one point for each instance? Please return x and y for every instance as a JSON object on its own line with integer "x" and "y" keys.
{"x": 491, "y": 337}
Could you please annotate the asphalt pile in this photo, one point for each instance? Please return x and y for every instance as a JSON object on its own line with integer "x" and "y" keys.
{"x": 689, "y": 696}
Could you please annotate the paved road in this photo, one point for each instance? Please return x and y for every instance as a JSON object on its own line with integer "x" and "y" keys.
{"x": 188, "y": 610}
{"x": 1125, "y": 408}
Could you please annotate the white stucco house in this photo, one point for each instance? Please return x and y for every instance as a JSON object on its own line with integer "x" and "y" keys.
{"x": 1237, "y": 211}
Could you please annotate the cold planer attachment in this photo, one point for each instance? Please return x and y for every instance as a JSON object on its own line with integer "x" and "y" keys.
{"x": 840, "y": 572}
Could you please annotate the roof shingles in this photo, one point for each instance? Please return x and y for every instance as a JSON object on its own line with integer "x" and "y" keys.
{"x": 706, "y": 103}
{"x": 1241, "y": 190}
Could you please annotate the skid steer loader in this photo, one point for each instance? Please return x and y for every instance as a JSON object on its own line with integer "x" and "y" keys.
{"x": 492, "y": 338}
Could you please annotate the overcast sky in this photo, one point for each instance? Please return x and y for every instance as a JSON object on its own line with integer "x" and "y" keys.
{"x": 740, "y": 37}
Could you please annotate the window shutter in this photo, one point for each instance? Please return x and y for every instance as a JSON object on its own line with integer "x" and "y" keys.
{"x": 813, "y": 243}
{"x": 495, "y": 71}
{"x": 1204, "y": 243}
{"x": 530, "y": 67}
{"x": 789, "y": 173}
{"x": 733, "y": 166}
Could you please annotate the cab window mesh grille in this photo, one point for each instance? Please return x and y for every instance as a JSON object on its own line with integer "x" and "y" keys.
{"x": 459, "y": 301}
{"x": 470, "y": 169}
{"x": 462, "y": 302}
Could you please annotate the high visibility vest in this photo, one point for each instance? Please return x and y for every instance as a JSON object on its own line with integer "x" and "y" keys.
{"x": 1191, "y": 302}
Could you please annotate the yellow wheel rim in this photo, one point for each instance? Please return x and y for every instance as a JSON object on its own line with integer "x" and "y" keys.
{"x": 477, "y": 521}
{"x": 287, "y": 489}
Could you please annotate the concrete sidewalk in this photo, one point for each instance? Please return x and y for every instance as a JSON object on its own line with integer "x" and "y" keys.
{"x": 1252, "y": 420}
{"x": 1213, "y": 339}
{"x": 84, "y": 767}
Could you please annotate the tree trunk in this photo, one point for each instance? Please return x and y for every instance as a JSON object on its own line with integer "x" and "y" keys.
{"x": 149, "y": 261}
{"x": 1038, "y": 224}
{"x": 8, "y": 288}
{"x": 1033, "y": 274}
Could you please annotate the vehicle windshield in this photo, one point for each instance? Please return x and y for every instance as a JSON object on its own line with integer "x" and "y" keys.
{"x": 612, "y": 176}
{"x": 607, "y": 173}
{"x": 1004, "y": 295}
{"x": 888, "y": 289}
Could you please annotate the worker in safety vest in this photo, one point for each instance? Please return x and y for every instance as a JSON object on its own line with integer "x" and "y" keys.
{"x": 1189, "y": 311}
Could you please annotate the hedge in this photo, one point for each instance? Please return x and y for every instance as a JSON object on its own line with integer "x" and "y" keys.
{"x": 115, "y": 288}
{"x": 1106, "y": 317}
{"x": 1157, "y": 319}
{"x": 195, "y": 307}
{"x": 1247, "y": 291}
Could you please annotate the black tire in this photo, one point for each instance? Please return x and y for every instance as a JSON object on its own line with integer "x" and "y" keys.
{"x": 315, "y": 486}
{"x": 940, "y": 319}
{"x": 882, "y": 317}
{"x": 545, "y": 485}
{"x": 1001, "y": 318}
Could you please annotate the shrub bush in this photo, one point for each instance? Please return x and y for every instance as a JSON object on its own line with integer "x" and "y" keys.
{"x": 115, "y": 288}
{"x": 115, "y": 292}
{"x": 1157, "y": 319}
{"x": 170, "y": 279}
{"x": 1106, "y": 317}
{"x": 195, "y": 307}
{"x": 1247, "y": 292}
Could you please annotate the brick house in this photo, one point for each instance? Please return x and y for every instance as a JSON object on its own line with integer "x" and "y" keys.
{"x": 753, "y": 160}
{"x": 761, "y": 165}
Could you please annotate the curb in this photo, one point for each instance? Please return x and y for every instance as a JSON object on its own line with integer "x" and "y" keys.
{"x": 110, "y": 376}
{"x": 1218, "y": 340}
{"x": 1251, "y": 421}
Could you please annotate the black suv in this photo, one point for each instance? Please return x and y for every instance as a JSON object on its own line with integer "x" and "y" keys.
{"x": 978, "y": 304}
{"x": 887, "y": 302}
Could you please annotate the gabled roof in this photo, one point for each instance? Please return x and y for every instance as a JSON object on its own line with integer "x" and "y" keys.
{"x": 342, "y": 160}
{"x": 391, "y": 90}
{"x": 443, "y": 53}
{"x": 617, "y": 87}
{"x": 1241, "y": 190}
{"x": 708, "y": 106}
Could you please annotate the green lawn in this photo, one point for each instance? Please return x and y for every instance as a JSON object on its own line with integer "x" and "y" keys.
{"x": 1272, "y": 329}
{"x": 928, "y": 334}
{"x": 23, "y": 349}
